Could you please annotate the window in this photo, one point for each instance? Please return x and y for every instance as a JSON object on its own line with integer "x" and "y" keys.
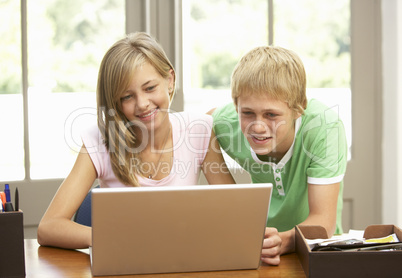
{"x": 11, "y": 105}
{"x": 66, "y": 41}
{"x": 217, "y": 33}
{"x": 319, "y": 31}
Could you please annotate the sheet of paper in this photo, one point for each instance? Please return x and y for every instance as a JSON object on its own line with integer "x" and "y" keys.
{"x": 352, "y": 234}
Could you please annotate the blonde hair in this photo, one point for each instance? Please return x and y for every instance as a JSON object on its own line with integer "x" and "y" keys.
{"x": 115, "y": 74}
{"x": 273, "y": 71}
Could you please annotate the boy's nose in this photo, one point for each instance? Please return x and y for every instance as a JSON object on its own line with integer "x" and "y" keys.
{"x": 260, "y": 127}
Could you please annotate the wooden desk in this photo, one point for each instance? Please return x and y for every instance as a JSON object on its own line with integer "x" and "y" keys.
{"x": 54, "y": 262}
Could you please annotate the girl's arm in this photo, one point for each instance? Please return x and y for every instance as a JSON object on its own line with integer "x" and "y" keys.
{"x": 56, "y": 227}
{"x": 214, "y": 165}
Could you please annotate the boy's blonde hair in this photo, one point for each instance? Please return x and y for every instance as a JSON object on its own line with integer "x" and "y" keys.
{"x": 115, "y": 75}
{"x": 273, "y": 71}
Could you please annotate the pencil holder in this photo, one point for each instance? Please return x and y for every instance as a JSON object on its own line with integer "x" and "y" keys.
{"x": 12, "y": 256}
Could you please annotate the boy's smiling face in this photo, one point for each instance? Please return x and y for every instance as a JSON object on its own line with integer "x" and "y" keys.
{"x": 267, "y": 123}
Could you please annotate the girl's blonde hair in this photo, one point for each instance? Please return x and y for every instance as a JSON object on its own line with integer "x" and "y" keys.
{"x": 115, "y": 75}
{"x": 272, "y": 71}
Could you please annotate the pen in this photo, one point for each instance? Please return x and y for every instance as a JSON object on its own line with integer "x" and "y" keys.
{"x": 3, "y": 198}
{"x": 361, "y": 247}
{"x": 16, "y": 199}
{"x": 8, "y": 205}
{"x": 385, "y": 247}
{"x": 7, "y": 192}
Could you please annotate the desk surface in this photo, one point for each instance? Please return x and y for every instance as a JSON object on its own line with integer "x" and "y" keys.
{"x": 54, "y": 262}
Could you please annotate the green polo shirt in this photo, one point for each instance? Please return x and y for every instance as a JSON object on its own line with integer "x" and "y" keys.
{"x": 318, "y": 156}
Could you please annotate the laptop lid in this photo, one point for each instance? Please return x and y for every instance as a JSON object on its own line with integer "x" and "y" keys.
{"x": 178, "y": 229}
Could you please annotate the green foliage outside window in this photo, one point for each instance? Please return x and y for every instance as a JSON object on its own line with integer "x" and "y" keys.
{"x": 66, "y": 42}
{"x": 317, "y": 30}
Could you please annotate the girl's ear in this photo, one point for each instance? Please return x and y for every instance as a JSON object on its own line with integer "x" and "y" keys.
{"x": 171, "y": 78}
{"x": 171, "y": 83}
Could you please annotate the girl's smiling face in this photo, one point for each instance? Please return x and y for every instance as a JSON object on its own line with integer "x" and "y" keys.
{"x": 147, "y": 98}
{"x": 267, "y": 123}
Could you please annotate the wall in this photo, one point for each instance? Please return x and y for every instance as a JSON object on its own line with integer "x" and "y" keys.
{"x": 392, "y": 114}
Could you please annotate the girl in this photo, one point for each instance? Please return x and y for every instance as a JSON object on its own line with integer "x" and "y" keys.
{"x": 137, "y": 141}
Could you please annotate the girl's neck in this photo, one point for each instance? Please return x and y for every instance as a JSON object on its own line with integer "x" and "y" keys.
{"x": 155, "y": 138}
{"x": 158, "y": 138}
{"x": 158, "y": 154}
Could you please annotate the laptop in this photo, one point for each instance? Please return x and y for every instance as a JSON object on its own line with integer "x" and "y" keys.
{"x": 146, "y": 230}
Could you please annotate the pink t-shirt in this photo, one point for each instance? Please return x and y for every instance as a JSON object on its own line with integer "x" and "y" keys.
{"x": 191, "y": 136}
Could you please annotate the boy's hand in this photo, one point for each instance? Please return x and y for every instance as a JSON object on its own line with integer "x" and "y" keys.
{"x": 271, "y": 247}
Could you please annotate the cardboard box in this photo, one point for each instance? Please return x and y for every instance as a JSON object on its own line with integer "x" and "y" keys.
{"x": 12, "y": 255}
{"x": 348, "y": 264}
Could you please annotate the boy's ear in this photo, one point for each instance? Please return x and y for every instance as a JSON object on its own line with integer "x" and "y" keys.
{"x": 235, "y": 103}
{"x": 296, "y": 115}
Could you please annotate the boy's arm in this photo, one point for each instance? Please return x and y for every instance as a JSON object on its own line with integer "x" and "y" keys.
{"x": 322, "y": 201}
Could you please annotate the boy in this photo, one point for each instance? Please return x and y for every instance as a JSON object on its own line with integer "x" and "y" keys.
{"x": 279, "y": 137}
